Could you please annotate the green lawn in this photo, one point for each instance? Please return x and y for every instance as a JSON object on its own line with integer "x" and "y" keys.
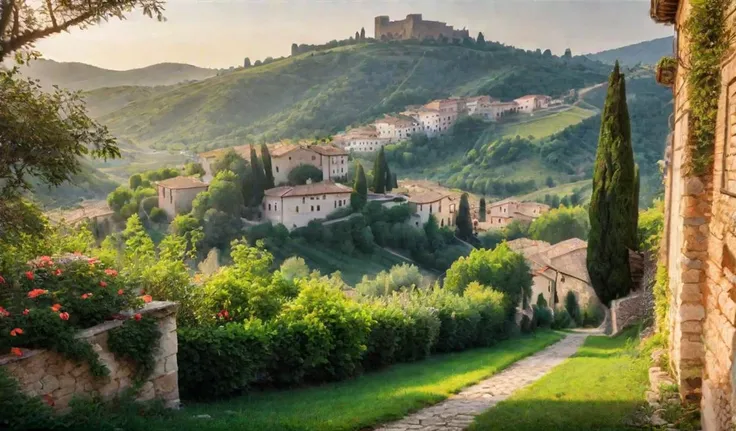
{"x": 547, "y": 125}
{"x": 359, "y": 403}
{"x": 600, "y": 388}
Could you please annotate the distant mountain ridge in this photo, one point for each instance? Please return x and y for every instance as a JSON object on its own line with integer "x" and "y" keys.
{"x": 647, "y": 53}
{"x": 81, "y": 76}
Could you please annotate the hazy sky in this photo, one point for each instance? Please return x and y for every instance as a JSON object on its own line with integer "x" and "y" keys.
{"x": 220, "y": 33}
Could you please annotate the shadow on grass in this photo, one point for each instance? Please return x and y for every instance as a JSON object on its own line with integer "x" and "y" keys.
{"x": 550, "y": 415}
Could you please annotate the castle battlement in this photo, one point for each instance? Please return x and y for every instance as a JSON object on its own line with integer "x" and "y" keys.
{"x": 414, "y": 27}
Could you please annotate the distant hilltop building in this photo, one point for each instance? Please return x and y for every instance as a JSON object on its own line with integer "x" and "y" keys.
{"x": 414, "y": 27}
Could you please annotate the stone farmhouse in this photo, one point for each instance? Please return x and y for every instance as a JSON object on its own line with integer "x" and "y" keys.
{"x": 396, "y": 128}
{"x": 175, "y": 195}
{"x": 332, "y": 160}
{"x": 296, "y": 206}
{"x": 532, "y": 102}
{"x": 558, "y": 269}
{"x": 699, "y": 239}
{"x": 414, "y": 27}
{"x": 500, "y": 214}
{"x": 430, "y": 203}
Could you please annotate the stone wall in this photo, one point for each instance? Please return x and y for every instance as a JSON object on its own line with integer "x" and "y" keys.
{"x": 51, "y": 376}
{"x": 630, "y": 310}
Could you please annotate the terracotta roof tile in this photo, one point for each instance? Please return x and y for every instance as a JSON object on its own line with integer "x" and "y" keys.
{"x": 323, "y": 188}
{"x": 182, "y": 183}
{"x": 328, "y": 150}
{"x": 427, "y": 197}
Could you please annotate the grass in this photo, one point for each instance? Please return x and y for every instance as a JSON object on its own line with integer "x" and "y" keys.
{"x": 560, "y": 190}
{"x": 547, "y": 125}
{"x": 359, "y": 403}
{"x": 600, "y": 388}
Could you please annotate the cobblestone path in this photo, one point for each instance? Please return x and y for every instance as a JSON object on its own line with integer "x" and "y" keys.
{"x": 457, "y": 412}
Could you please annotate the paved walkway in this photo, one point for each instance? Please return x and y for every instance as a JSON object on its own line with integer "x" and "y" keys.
{"x": 457, "y": 412}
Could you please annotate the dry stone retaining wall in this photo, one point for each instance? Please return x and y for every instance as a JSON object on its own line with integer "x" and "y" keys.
{"x": 51, "y": 376}
{"x": 630, "y": 310}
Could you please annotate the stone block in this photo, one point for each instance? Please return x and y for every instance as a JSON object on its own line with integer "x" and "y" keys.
{"x": 166, "y": 384}
{"x": 691, "y": 263}
{"x": 147, "y": 392}
{"x": 694, "y": 186}
{"x": 690, "y": 292}
{"x": 691, "y": 276}
{"x": 49, "y": 383}
{"x": 171, "y": 364}
{"x": 691, "y": 312}
{"x": 691, "y": 349}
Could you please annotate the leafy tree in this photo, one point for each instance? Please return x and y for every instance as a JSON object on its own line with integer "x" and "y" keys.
{"x": 568, "y": 54}
{"x": 492, "y": 238}
{"x": 303, "y": 173}
{"x": 362, "y": 33}
{"x": 193, "y": 169}
{"x": 360, "y": 188}
{"x": 516, "y": 229}
{"x": 118, "y": 198}
{"x": 135, "y": 181}
{"x": 550, "y": 182}
{"x": 379, "y": 173}
{"x": 614, "y": 191}
{"x": 482, "y": 210}
{"x": 294, "y": 268}
{"x": 463, "y": 221}
{"x": 400, "y": 277}
{"x": 573, "y": 308}
{"x": 22, "y": 24}
{"x": 224, "y": 193}
{"x": 267, "y": 167}
{"x": 246, "y": 62}
{"x": 500, "y": 269}
{"x": 651, "y": 225}
{"x": 481, "y": 40}
{"x": 560, "y": 224}
{"x": 547, "y": 53}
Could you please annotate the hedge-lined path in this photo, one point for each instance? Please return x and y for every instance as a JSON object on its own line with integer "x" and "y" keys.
{"x": 457, "y": 412}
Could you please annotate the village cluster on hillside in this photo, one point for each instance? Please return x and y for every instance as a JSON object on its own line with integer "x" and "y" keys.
{"x": 436, "y": 118}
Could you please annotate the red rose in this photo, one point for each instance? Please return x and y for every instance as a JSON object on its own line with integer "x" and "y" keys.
{"x": 103, "y": 284}
{"x": 26, "y": 311}
{"x": 16, "y": 351}
{"x": 2, "y": 280}
{"x": 120, "y": 291}
{"x": 29, "y": 275}
{"x": 138, "y": 316}
{"x": 64, "y": 316}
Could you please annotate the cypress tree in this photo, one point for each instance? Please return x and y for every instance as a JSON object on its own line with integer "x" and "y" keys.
{"x": 389, "y": 181}
{"x": 267, "y": 167}
{"x": 612, "y": 228}
{"x": 480, "y": 39}
{"x": 379, "y": 173}
{"x": 394, "y": 181}
{"x": 463, "y": 222}
{"x": 357, "y": 36}
{"x": 360, "y": 188}
{"x": 258, "y": 178}
{"x": 362, "y": 33}
{"x": 635, "y": 211}
{"x": 482, "y": 210}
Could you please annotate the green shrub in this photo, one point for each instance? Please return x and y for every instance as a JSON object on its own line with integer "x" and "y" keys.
{"x": 562, "y": 319}
{"x": 573, "y": 308}
{"x": 219, "y": 361}
{"x": 490, "y": 304}
{"x": 543, "y": 316}
{"x": 149, "y": 203}
{"x": 593, "y": 316}
{"x": 158, "y": 215}
{"x": 20, "y": 411}
{"x": 389, "y": 323}
{"x": 662, "y": 295}
{"x": 541, "y": 302}
{"x": 458, "y": 320}
{"x": 300, "y": 174}
{"x": 136, "y": 341}
{"x": 420, "y": 335}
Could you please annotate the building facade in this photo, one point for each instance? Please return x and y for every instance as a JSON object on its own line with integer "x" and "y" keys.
{"x": 175, "y": 195}
{"x": 500, "y": 214}
{"x": 699, "y": 240}
{"x": 397, "y": 128}
{"x": 424, "y": 205}
{"x": 414, "y": 27}
{"x": 361, "y": 140}
{"x": 296, "y": 206}
{"x": 532, "y": 102}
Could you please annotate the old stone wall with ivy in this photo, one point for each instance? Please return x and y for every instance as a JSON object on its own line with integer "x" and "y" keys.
{"x": 153, "y": 372}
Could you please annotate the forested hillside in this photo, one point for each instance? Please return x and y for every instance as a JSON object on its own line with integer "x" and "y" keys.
{"x": 646, "y": 53}
{"x": 80, "y": 76}
{"x": 320, "y": 93}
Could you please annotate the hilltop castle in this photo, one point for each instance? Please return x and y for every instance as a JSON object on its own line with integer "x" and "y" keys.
{"x": 414, "y": 27}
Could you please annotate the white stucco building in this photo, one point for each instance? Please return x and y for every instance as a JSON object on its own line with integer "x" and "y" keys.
{"x": 361, "y": 140}
{"x": 397, "y": 128}
{"x": 175, "y": 195}
{"x": 432, "y": 203}
{"x": 532, "y": 102}
{"x": 330, "y": 159}
{"x": 296, "y": 206}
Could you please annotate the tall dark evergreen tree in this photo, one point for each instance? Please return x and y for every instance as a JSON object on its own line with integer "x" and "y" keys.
{"x": 480, "y": 39}
{"x": 568, "y": 54}
{"x": 246, "y": 62}
{"x": 362, "y": 33}
{"x": 379, "y": 173}
{"x": 360, "y": 188}
{"x": 294, "y": 49}
{"x": 357, "y": 36}
{"x": 612, "y": 203}
{"x": 482, "y": 210}
{"x": 463, "y": 221}
{"x": 389, "y": 181}
{"x": 267, "y": 167}
{"x": 394, "y": 181}
{"x": 258, "y": 178}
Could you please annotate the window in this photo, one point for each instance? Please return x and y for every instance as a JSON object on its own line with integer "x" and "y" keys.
{"x": 275, "y": 207}
{"x": 304, "y": 200}
{"x": 289, "y": 157}
{"x": 314, "y": 157}
{"x": 277, "y": 169}
{"x": 324, "y": 197}
{"x": 312, "y": 208}
{"x": 171, "y": 196}
{"x": 420, "y": 207}
{"x": 335, "y": 204}
{"x": 318, "y": 208}
{"x": 297, "y": 208}
{"x": 269, "y": 207}
{"x": 430, "y": 208}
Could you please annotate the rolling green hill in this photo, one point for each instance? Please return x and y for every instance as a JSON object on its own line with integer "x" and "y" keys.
{"x": 89, "y": 184}
{"x": 80, "y": 76}
{"x": 320, "y": 93}
{"x": 645, "y": 53}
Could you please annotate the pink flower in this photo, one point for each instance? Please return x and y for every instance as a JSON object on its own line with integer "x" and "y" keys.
{"x": 138, "y": 316}
{"x": 103, "y": 284}
{"x": 111, "y": 272}
{"x": 29, "y": 275}
{"x": 46, "y": 261}
{"x": 58, "y": 272}
{"x": 120, "y": 291}
{"x": 64, "y": 316}
{"x": 56, "y": 307}
{"x": 2, "y": 280}
{"x": 16, "y": 351}
{"x": 15, "y": 332}
{"x": 26, "y": 312}
{"x": 4, "y": 312}
{"x": 93, "y": 260}
{"x": 86, "y": 295}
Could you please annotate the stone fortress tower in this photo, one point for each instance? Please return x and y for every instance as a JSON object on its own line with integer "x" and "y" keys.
{"x": 414, "y": 27}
